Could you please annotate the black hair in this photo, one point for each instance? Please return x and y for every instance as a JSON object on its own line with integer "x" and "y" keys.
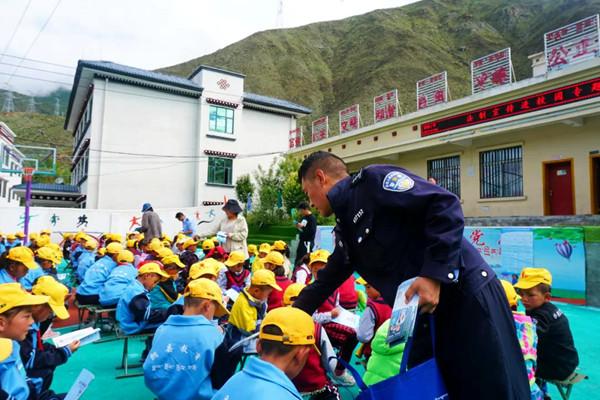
{"x": 544, "y": 288}
{"x": 279, "y": 270}
{"x": 304, "y": 260}
{"x": 189, "y": 301}
{"x": 324, "y": 160}
{"x": 9, "y": 314}
{"x": 273, "y": 346}
{"x": 178, "y": 215}
{"x": 303, "y": 205}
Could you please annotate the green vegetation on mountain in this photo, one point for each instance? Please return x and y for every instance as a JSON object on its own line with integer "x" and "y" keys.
{"x": 330, "y": 65}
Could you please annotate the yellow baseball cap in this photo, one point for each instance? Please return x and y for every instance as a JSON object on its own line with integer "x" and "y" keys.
{"x": 56, "y": 291}
{"x": 20, "y": 234}
{"x": 166, "y": 237}
{"x": 152, "y": 268}
{"x": 235, "y": 258}
{"x": 130, "y": 243}
{"x": 114, "y": 248}
{"x": 511, "y": 293}
{"x": 172, "y": 259}
{"x": 206, "y": 289}
{"x": 34, "y": 236}
{"x": 11, "y": 236}
{"x": 361, "y": 281}
{"x": 164, "y": 252}
{"x": 252, "y": 249}
{"x": 6, "y": 348}
{"x": 264, "y": 277}
{"x": 117, "y": 237}
{"x": 45, "y": 232}
{"x": 208, "y": 244}
{"x": 275, "y": 258}
{"x": 531, "y": 277}
{"x": 80, "y": 235}
{"x": 201, "y": 268}
{"x": 90, "y": 245}
{"x": 189, "y": 242}
{"x": 102, "y": 251}
{"x": 42, "y": 241}
{"x": 24, "y": 255}
{"x": 67, "y": 235}
{"x": 12, "y": 295}
{"x": 47, "y": 253}
{"x": 278, "y": 245}
{"x": 125, "y": 256}
{"x": 292, "y": 291}
{"x": 264, "y": 248}
{"x": 155, "y": 244}
{"x": 297, "y": 327}
{"x": 320, "y": 255}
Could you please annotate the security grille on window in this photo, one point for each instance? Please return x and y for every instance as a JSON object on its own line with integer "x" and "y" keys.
{"x": 446, "y": 171}
{"x": 501, "y": 172}
{"x": 220, "y": 119}
{"x": 220, "y": 170}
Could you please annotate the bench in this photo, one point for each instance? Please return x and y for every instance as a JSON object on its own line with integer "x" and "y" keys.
{"x": 95, "y": 314}
{"x": 564, "y": 387}
{"x": 125, "y": 355}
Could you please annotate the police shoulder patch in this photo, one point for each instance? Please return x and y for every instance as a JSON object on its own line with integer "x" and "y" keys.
{"x": 396, "y": 181}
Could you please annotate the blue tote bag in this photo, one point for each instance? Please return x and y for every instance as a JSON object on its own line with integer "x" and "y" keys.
{"x": 422, "y": 382}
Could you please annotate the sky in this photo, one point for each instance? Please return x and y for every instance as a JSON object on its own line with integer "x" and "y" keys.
{"x": 141, "y": 33}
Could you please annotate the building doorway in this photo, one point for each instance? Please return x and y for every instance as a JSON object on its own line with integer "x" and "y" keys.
{"x": 595, "y": 182}
{"x": 559, "y": 193}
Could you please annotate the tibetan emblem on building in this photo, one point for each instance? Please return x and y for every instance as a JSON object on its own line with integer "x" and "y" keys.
{"x": 223, "y": 84}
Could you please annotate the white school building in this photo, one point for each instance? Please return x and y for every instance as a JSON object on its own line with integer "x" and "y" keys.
{"x": 10, "y": 159}
{"x": 143, "y": 136}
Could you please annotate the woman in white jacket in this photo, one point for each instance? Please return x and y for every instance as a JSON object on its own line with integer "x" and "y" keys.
{"x": 234, "y": 228}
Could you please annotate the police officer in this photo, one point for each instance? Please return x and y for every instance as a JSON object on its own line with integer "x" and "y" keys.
{"x": 392, "y": 226}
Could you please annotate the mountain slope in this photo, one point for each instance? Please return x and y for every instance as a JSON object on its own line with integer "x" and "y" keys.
{"x": 330, "y": 65}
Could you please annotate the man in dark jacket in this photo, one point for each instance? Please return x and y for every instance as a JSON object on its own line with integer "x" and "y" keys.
{"x": 392, "y": 226}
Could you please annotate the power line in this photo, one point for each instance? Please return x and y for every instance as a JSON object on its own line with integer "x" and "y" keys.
{"x": 36, "y": 61}
{"x": 35, "y": 39}
{"x": 37, "y": 69}
{"x": 14, "y": 32}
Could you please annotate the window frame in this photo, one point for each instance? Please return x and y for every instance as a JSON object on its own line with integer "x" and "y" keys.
{"x": 496, "y": 165}
{"x": 211, "y": 173}
{"x": 228, "y": 120}
{"x": 443, "y": 180}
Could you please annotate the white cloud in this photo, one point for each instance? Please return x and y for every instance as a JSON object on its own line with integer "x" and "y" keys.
{"x": 146, "y": 33}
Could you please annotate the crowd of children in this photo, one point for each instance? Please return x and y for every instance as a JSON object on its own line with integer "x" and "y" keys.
{"x": 202, "y": 303}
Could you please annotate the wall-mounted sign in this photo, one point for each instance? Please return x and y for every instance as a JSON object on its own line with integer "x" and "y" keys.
{"x": 349, "y": 118}
{"x": 491, "y": 71}
{"x": 432, "y": 90}
{"x": 572, "y": 43}
{"x": 320, "y": 129}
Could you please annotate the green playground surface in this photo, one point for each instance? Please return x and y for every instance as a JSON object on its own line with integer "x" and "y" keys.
{"x": 103, "y": 358}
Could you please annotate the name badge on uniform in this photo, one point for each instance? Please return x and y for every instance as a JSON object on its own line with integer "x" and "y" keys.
{"x": 396, "y": 181}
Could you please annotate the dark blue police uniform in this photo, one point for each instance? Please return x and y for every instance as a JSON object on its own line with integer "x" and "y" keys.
{"x": 393, "y": 225}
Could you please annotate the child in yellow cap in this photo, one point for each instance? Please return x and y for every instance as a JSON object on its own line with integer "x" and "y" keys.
{"x": 15, "y": 264}
{"x": 285, "y": 340}
{"x": 313, "y": 381}
{"x": 281, "y": 247}
{"x": 41, "y": 359}
{"x": 527, "y": 337}
{"x": 96, "y": 276}
{"x": 46, "y": 259}
{"x": 263, "y": 250}
{"x": 236, "y": 276}
{"x": 189, "y": 341}
{"x": 274, "y": 261}
{"x": 118, "y": 280}
{"x": 557, "y": 357}
{"x": 15, "y": 321}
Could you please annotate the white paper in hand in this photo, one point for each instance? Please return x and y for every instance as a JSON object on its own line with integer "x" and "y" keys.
{"x": 347, "y": 318}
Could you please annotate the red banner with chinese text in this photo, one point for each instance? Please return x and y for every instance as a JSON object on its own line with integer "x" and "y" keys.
{"x": 349, "y": 118}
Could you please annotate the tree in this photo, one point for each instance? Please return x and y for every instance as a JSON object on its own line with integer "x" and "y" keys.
{"x": 269, "y": 184}
{"x": 291, "y": 188}
{"x": 244, "y": 187}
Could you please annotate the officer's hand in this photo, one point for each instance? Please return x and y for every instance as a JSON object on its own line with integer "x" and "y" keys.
{"x": 428, "y": 291}
{"x": 335, "y": 313}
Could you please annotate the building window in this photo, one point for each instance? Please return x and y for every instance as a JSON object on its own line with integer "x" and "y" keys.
{"x": 501, "y": 172}
{"x": 3, "y": 185}
{"x": 220, "y": 170}
{"x": 5, "y": 156}
{"x": 220, "y": 119}
{"x": 446, "y": 171}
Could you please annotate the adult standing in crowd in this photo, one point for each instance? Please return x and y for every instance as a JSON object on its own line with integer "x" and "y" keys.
{"x": 187, "y": 226}
{"x": 233, "y": 228}
{"x": 151, "y": 226}
{"x": 308, "y": 228}
{"x": 392, "y": 226}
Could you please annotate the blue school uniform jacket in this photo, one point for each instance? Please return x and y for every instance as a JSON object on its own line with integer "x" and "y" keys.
{"x": 96, "y": 276}
{"x": 135, "y": 312}
{"x": 75, "y": 256}
{"x": 181, "y": 357}
{"x": 13, "y": 381}
{"x": 119, "y": 279}
{"x": 5, "y": 277}
{"x": 85, "y": 260}
{"x": 258, "y": 380}
{"x": 28, "y": 280}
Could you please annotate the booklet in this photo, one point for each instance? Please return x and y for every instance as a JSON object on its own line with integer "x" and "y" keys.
{"x": 85, "y": 336}
{"x": 404, "y": 315}
{"x": 347, "y": 318}
{"x": 232, "y": 294}
{"x": 80, "y": 386}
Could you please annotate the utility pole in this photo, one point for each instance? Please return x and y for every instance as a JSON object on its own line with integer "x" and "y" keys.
{"x": 9, "y": 103}
{"x": 57, "y": 106}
